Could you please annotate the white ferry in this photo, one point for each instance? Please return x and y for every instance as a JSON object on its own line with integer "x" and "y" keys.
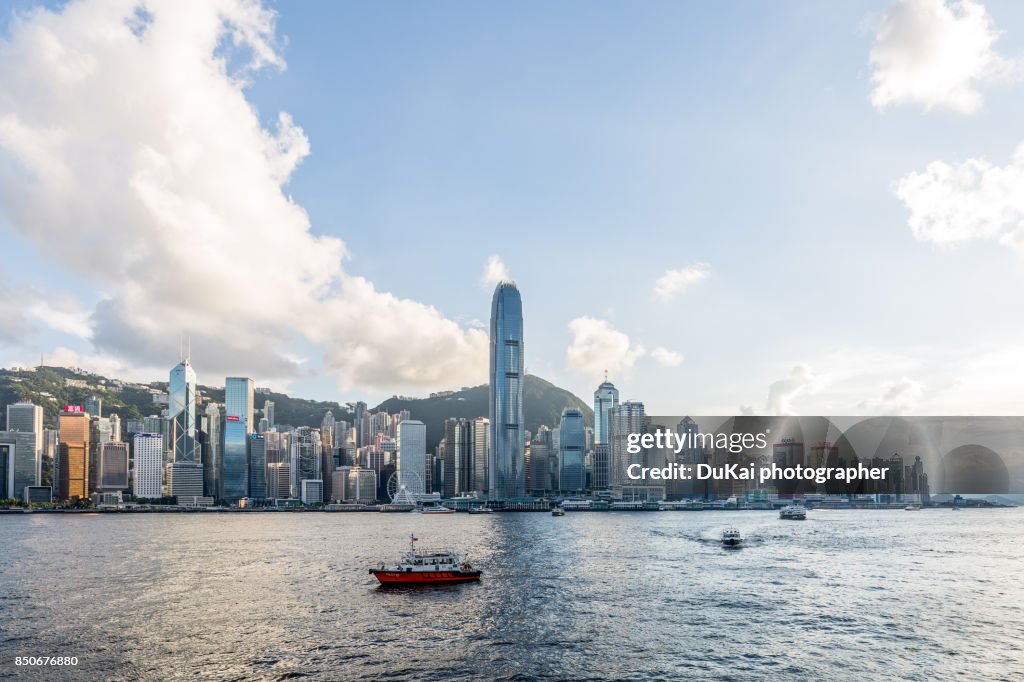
{"x": 731, "y": 537}
{"x": 793, "y": 512}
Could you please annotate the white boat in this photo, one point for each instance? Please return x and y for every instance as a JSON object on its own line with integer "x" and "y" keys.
{"x": 912, "y": 507}
{"x": 731, "y": 537}
{"x": 557, "y": 511}
{"x": 793, "y": 512}
{"x": 439, "y": 509}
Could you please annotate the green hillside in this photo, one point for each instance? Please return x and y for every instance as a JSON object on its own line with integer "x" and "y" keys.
{"x": 543, "y": 402}
{"x": 54, "y": 387}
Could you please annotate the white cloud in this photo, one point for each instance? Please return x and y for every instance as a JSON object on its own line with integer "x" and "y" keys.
{"x": 675, "y": 282}
{"x": 800, "y": 381}
{"x": 974, "y": 200}
{"x": 597, "y": 346}
{"x": 936, "y": 54}
{"x": 494, "y": 272}
{"x": 666, "y": 357}
{"x": 900, "y": 397}
{"x": 131, "y": 155}
{"x": 61, "y": 314}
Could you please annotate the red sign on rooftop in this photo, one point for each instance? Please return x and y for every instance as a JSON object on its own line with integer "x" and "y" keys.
{"x": 73, "y": 408}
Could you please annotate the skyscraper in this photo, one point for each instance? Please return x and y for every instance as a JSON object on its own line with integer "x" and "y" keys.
{"x": 112, "y": 466}
{"x": 148, "y": 449}
{"x": 571, "y": 450}
{"x": 623, "y": 420}
{"x": 26, "y": 417}
{"x": 181, "y": 408}
{"x": 458, "y": 457}
{"x": 507, "y": 466}
{"x": 412, "y": 456}
{"x": 606, "y": 397}
{"x": 73, "y": 427}
{"x": 481, "y": 445}
{"x": 210, "y": 439}
{"x": 238, "y": 406}
{"x": 268, "y": 412}
{"x": 18, "y": 466}
{"x": 257, "y": 466}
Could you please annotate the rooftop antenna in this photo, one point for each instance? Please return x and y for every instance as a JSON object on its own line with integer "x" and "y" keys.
{"x": 181, "y": 355}
{"x": 190, "y": 348}
{"x": 606, "y": 376}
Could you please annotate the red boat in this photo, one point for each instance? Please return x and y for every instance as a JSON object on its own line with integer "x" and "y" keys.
{"x": 430, "y": 567}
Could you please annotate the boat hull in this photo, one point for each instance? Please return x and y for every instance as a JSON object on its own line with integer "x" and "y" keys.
{"x": 406, "y": 578}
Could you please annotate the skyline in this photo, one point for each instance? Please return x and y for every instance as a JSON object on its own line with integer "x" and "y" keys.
{"x": 763, "y": 233}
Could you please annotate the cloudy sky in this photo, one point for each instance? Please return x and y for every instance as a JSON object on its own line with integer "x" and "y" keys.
{"x": 793, "y": 207}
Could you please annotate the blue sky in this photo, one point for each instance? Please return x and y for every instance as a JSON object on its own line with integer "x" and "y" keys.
{"x": 593, "y": 147}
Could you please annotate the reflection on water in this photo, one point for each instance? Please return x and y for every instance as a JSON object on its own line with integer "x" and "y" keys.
{"x": 845, "y": 594}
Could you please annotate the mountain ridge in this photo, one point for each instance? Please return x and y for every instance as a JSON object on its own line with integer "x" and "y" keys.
{"x": 53, "y": 387}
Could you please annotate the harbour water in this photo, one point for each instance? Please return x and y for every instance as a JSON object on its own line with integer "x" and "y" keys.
{"x": 844, "y": 595}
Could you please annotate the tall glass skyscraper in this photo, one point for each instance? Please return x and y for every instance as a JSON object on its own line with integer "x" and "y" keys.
{"x": 238, "y": 409}
{"x": 572, "y": 476}
{"x": 508, "y": 428}
{"x": 181, "y": 408}
{"x": 606, "y": 397}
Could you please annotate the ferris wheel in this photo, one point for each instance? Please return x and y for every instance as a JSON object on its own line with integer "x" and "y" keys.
{"x": 405, "y": 489}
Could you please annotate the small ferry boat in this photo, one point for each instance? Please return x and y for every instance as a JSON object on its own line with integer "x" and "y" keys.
{"x": 912, "y": 507}
{"x": 557, "y": 511}
{"x": 429, "y": 567}
{"x": 439, "y": 509}
{"x": 731, "y": 537}
{"x": 480, "y": 510}
{"x": 793, "y": 512}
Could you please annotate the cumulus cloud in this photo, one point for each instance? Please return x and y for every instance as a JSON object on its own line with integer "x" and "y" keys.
{"x": 676, "y": 282}
{"x": 597, "y": 346}
{"x": 666, "y": 357}
{"x": 898, "y": 397}
{"x": 800, "y": 381}
{"x": 937, "y": 55}
{"x": 494, "y": 272}
{"x": 973, "y": 200}
{"x": 130, "y": 154}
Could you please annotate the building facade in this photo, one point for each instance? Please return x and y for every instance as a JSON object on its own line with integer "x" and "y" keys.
{"x": 506, "y": 468}
{"x": 238, "y": 413}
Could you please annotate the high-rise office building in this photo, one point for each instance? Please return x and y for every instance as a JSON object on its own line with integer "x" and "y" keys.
{"x": 328, "y": 438}
{"x": 94, "y": 406}
{"x": 186, "y": 481}
{"x": 606, "y": 397}
{"x": 481, "y": 448}
{"x": 181, "y": 409}
{"x": 312, "y": 491}
{"x": 508, "y": 437}
{"x": 623, "y": 420}
{"x": 279, "y": 480}
{"x": 257, "y": 466}
{"x": 210, "y": 425}
{"x": 28, "y": 418}
{"x": 306, "y": 452}
{"x": 73, "y": 430}
{"x": 112, "y": 466}
{"x": 571, "y": 451}
{"x": 412, "y": 456}
{"x": 148, "y": 461}
{"x": 600, "y": 467}
{"x": 268, "y": 412}
{"x": 457, "y": 457}
{"x": 238, "y": 426}
{"x": 18, "y": 455}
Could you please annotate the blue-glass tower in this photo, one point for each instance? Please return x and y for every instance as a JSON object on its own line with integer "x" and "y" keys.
{"x": 508, "y": 435}
{"x": 238, "y": 409}
{"x": 572, "y": 476}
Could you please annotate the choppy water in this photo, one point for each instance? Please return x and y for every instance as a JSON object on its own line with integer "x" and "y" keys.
{"x": 845, "y": 595}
